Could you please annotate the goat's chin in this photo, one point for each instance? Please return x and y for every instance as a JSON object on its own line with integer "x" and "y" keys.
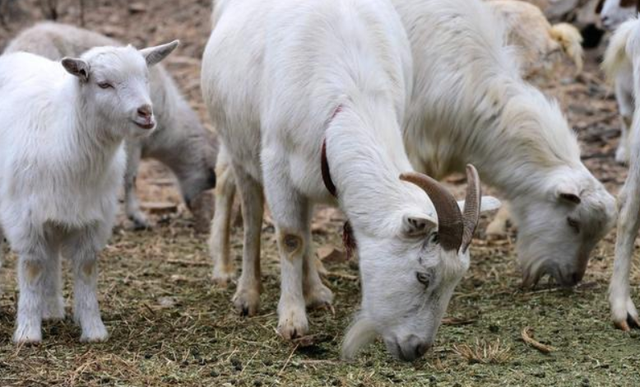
{"x": 360, "y": 334}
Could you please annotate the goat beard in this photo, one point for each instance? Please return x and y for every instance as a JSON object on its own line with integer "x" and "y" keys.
{"x": 360, "y": 334}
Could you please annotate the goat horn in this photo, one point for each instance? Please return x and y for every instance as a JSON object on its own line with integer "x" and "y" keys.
{"x": 471, "y": 213}
{"x": 450, "y": 221}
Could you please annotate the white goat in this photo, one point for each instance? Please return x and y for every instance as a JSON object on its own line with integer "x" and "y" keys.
{"x": 617, "y": 65}
{"x": 623, "y": 310}
{"x": 62, "y": 126}
{"x": 615, "y": 12}
{"x": 281, "y": 78}
{"x": 540, "y": 45}
{"x": 479, "y": 110}
{"x": 180, "y": 141}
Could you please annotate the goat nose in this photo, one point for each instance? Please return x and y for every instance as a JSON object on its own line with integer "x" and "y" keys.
{"x": 145, "y": 111}
{"x": 421, "y": 349}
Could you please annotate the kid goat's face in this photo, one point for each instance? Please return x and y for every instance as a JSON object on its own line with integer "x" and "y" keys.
{"x": 115, "y": 82}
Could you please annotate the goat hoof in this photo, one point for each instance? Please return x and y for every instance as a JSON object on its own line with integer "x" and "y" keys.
{"x": 633, "y": 322}
{"x": 293, "y": 324}
{"x": 246, "y": 303}
{"x": 96, "y": 334}
{"x": 222, "y": 278}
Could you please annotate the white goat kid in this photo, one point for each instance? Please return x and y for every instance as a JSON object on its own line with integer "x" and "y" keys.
{"x": 617, "y": 66}
{"x": 623, "y": 310}
{"x": 280, "y": 77}
{"x": 478, "y": 110}
{"x": 179, "y": 141}
{"x": 62, "y": 126}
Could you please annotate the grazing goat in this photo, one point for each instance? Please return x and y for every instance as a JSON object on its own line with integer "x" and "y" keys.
{"x": 617, "y": 66}
{"x": 478, "y": 110}
{"x": 540, "y": 45}
{"x": 623, "y": 310}
{"x": 308, "y": 98}
{"x": 180, "y": 141}
{"x": 62, "y": 126}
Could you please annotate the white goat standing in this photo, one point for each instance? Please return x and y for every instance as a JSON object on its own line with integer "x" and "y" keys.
{"x": 180, "y": 141}
{"x": 623, "y": 310}
{"x": 470, "y": 105}
{"x": 62, "y": 126}
{"x": 617, "y": 66}
{"x": 281, "y": 78}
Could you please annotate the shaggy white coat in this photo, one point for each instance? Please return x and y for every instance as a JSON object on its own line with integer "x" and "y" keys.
{"x": 61, "y": 163}
{"x": 180, "y": 141}
{"x": 274, "y": 73}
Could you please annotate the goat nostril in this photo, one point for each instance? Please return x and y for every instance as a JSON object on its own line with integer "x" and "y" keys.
{"x": 145, "y": 111}
{"x": 421, "y": 349}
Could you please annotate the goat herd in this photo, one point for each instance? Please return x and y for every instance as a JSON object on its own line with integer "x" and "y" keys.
{"x": 357, "y": 103}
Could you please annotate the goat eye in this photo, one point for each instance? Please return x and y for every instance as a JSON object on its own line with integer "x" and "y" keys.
{"x": 105, "y": 85}
{"x": 574, "y": 224}
{"x": 434, "y": 238}
{"x": 423, "y": 278}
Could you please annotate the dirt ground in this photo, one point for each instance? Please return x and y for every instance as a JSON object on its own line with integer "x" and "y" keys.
{"x": 170, "y": 325}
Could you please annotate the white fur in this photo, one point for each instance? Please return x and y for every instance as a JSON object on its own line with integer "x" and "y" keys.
{"x": 180, "y": 141}
{"x": 274, "y": 72}
{"x": 623, "y": 310}
{"x": 613, "y": 14}
{"x": 478, "y": 110}
{"x": 617, "y": 65}
{"x": 540, "y": 45}
{"x": 61, "y": 163}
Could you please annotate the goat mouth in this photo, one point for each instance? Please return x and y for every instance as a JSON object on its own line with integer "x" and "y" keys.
{"x": 145, "y": 125}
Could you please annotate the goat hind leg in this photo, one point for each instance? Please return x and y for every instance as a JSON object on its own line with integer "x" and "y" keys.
{"x": 247, "y": 296}
{"x": 223, "y": 268}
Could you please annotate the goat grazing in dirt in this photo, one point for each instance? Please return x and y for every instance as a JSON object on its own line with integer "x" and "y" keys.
{"x": 180, "y": 141}
{"x": 308, "y": 98}
{"x": 62, "y": 126}
{"x": 623, "y": 310}
{"x": 478, "y": 110}
{"x": 617, "y": 65}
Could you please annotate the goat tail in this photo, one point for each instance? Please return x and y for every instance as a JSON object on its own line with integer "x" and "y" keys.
{"x": 570, "y": 40}
{"x": 616, "y": 55}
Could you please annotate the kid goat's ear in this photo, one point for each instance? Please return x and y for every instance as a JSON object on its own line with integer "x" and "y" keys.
{"x": 155, "y": 55}
{"x": 77, "y": 67}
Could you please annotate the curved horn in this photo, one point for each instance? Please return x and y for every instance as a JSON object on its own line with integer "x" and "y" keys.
{"x": 471, "y": 214}
{"x": 450, "y": 221}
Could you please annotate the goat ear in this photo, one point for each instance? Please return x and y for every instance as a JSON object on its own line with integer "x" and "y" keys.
{"x": 569, "y": 195}
{"x": 487, "y": 203}
{"x": 77, "y": 67}
{"x": 155, "y": 55}
{"x": 417, "y": 225}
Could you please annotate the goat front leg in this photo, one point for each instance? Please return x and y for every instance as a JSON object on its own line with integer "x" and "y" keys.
{"x": 82, "y": 249}
{"x": 32, "y": 263}
{"x": 247, "y": 297}
{"x": 291, "y": 214}
{"x": 53, "y": 308}
{"x": 132, "y": 208}
{"x": 623, "y": 311}
{"x": 223, "y": 268}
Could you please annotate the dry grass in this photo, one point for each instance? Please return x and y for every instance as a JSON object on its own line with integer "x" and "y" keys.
{"x": 484, "y": 352}
{"x": 170, "y": 325}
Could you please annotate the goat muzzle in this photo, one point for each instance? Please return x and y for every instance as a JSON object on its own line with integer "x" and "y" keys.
{"x": 455, "y": 229}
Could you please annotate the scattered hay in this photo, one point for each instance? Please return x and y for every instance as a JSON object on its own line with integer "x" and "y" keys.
{"x": 484, "y": 352}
